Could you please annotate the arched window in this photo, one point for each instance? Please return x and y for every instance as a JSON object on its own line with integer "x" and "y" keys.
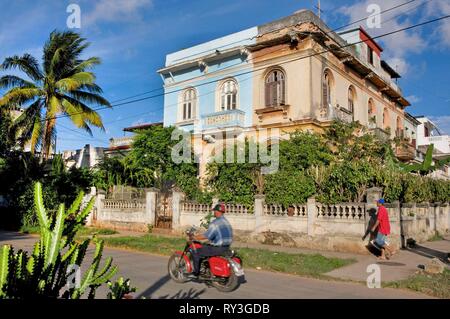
{"x": 351, "y": 98}
{"x": 385, "y": 118}
{"x": 228, "y": 95}
{"x": 327, "y": 83}
{"x": 275, "y": 88}
{"x": 189, "y": 102}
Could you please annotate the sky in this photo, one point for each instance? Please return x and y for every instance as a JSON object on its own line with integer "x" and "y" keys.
{"x": 132, "y": 38}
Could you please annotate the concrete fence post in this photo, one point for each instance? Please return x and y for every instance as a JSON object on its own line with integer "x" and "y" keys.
{"x": 397, "y": 226}
{"x": 177, "y": 198}
{"x": 312, "y": 215}
{"x": 260, "y": 201}
{"x": 97, "y": 211}
{"x": 150, "y": 205}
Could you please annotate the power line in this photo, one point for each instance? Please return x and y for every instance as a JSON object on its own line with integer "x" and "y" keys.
{"x": 382, "y": 12}
{"x": 81, "y": 134}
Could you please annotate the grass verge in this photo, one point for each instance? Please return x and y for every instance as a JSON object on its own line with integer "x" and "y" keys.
{"x": 311, "y": 265}
{"x": 437, "y": 285}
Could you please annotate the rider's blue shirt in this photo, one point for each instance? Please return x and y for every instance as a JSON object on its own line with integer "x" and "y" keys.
{"x": 220, "y": 232}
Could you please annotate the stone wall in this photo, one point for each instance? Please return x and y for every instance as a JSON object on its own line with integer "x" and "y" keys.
{"x": 314, "y": 225}
{"x": 131, "y": 214}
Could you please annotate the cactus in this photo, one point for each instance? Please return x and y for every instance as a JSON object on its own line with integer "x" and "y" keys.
{"x": 44, "y": 273}
{"x": 120, "y": 289}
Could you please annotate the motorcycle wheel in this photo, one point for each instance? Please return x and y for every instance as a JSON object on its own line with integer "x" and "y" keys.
{"x": 227, "y": 284}
{"x": 177, "y": 269}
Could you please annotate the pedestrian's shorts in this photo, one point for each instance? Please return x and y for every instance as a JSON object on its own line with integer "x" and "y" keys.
{"x": 381, "y": 239}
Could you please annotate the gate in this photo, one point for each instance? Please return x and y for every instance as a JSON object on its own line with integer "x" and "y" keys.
{"x": 164, "y": 210}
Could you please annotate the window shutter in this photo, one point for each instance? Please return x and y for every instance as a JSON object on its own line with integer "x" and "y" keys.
{"x": 325, "y": 92}
{"x": 283, "y": 92}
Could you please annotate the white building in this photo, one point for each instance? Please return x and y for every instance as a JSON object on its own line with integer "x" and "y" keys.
{"x": 428, "y": 133}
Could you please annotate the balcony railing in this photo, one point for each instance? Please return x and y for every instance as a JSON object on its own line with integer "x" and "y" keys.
{"x": 224, "y": 119}
{"x": 380, "y": 133}
{"x": 121, "y": 141}
{"x": 335, "y": 113}
{"x": 405, "y": 152}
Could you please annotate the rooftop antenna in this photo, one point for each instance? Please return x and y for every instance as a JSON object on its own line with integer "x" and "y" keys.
{"x": 318, "y": 8}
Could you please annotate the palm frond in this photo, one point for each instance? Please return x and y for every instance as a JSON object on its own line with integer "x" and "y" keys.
{"x": 77, "y": 117}
{"x": 75, "y": 81}
{"x": 88, "y": 97}
{"x": 26, "y": 63}
{"x": 91, "y": 88}
{"x": 68, "y": 46}
{"x": 9, "y": 81}
{"x": 86, "y": 113}
{"x": 86, "y": 64}
{"x": 19, "y": 96}
{"x": 29, "y": 126}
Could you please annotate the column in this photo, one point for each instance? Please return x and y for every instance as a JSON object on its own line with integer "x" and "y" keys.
{"x": 312, "y": 214}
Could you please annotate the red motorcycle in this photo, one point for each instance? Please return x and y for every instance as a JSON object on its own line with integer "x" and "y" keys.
{"x": 224, "y": 272}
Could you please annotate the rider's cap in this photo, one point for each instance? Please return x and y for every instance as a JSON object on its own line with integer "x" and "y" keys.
{"x": 219, "y": 207}
{"x": 381, "y": 201}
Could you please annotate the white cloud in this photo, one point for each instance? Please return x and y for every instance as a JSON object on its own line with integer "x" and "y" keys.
{"x": 442, "y": 122}
{"x": 115, "y": 10}
{"x": 439, "y": 8}
{"x": 413, "y": 99}
{"x": 399, "y": 64}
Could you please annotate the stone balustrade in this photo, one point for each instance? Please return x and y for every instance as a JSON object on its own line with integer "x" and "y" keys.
{"x": 352, "y": 211}
{"x": 279, "y": 210}
{"x": 123, "y": 204}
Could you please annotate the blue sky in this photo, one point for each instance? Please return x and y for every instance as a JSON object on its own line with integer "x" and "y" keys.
{"x": 132, "y": 38}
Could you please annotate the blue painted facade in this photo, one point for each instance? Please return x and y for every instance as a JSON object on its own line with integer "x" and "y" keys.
{"x": 204, "y": 67}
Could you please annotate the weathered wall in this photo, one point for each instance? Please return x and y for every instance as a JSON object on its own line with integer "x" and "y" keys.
{"x": 313, "y": 225}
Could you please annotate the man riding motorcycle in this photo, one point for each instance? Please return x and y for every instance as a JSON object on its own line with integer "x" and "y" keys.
{"x": 220, "y": 236}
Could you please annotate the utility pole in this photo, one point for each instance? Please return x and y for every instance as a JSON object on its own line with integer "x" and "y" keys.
{"x": 318, "y": 7}
{"x": 319, "y": 11}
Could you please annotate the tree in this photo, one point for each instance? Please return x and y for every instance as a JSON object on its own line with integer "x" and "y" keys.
{"x": 303, "y": 150}
{"x": 61, "y": 85}
{"x": 150, "y": 162}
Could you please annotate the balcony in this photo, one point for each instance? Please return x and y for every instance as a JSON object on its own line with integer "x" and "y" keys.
{"x": 380, "y": 133}
{"x": 282, "y": 108}
{"x": 223, "y": 119}
{"x": 405, "y": 151}
{"x": 441, "y": 143}
{"x": 331, "y": 113}
{"x": 120, "y": 141}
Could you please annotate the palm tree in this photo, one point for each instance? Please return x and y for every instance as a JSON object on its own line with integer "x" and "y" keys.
{"x": 62, "y": 85}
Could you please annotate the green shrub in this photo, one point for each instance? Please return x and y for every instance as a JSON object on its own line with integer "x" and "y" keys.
{"x": 289, "y": 188}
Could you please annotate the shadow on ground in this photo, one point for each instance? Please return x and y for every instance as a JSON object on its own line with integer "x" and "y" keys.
{"x": 181, "y": 294}
{"x": 429, "y": 252}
